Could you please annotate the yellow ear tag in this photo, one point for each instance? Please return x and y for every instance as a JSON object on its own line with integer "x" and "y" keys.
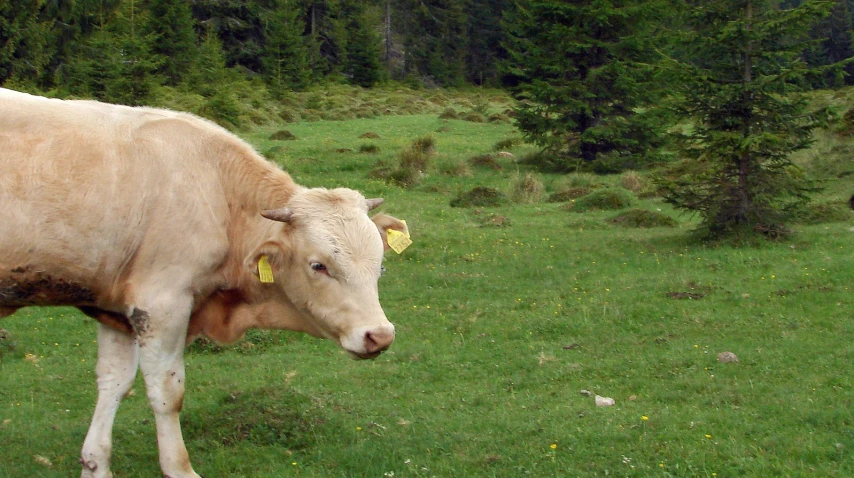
{"x": 397, "y": 240}
{"x": 265, "y": 272}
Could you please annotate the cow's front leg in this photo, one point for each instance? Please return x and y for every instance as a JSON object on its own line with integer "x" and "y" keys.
{"x": 116, "y": 370}
{"x": 162, "y": 334}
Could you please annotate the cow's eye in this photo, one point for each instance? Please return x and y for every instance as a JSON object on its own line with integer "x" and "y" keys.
{"x": 318, "y": 267}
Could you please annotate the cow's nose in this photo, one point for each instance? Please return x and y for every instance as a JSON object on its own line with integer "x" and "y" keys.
{"x": 378, "y": 340}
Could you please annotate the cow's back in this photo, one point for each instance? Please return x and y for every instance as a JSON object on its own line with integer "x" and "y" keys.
{"x": 89, "y": 192}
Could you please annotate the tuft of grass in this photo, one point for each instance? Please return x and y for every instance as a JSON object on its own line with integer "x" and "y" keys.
{"x": 449, "y": 113}
{"x": 506, "y": 144}
{"x": 485, "y": 161}
{"x": 473, "y": 117}
{"x": 369, "y": 135}
{"x": 642, "y": 218}
{"x": 457, "y": 169}
{"x": 825, "y": 212}
{"x": 269, "y": 416}
{"x": 569, "y": 194}
{"x": 527, "y": 189}
{"x": 604, "y": 199}
{"x": 480, "y": 197}
{"x": 283, "y": 135}
{"x": 369, "y": 149}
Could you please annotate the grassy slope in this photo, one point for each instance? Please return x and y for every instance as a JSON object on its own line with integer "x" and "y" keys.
{"x": 499, "y": 328}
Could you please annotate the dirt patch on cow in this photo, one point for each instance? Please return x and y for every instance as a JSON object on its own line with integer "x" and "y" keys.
{"x": 139, "y": 321}
{"x": 270, "y": 416}
{"x": 25, "y": 287}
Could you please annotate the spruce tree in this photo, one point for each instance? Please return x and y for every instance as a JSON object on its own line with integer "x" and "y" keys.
{"x": 285, "y": 56}
{"x": 171, "y": 26}
{"x": 743, "y": 67}
{"x": 364, "y": 62}
{"x": 581, "y": 72}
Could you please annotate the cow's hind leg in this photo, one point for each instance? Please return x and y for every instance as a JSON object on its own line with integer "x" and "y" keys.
{"x": 116, "y": 369}
{"x": 162, "y": 332}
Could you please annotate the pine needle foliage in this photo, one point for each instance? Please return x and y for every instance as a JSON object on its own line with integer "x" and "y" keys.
{"x": 738, "y": 87}
{"x": 583, "y": 75}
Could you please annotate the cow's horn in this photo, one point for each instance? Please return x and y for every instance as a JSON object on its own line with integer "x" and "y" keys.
{"x": 375, "y": 202}
{"x": 282, "y": 215}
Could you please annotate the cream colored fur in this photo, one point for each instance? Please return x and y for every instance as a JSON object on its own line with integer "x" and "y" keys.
{"x": 150, "y": 221}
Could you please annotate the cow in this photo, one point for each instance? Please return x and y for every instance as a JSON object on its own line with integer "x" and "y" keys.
{"x": 165, "y": 227}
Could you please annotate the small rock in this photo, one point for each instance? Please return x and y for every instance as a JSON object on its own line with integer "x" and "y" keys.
{"x": 505, "y": 154}
{"x": 727, "y": 357}
{"x": 586, "y": 393}
{"x": 42, "y": 461}
{"x": 604, "y": 401}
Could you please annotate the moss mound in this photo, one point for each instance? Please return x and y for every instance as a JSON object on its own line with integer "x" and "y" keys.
{"x": 642, "y": 218}
{"x": 606, "y": 199}
{"x": 569, "y": 194}
{"x": 480, "y": 197}
{"x": 283, "y": 135}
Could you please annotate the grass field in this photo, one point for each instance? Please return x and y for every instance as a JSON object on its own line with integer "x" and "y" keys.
{"x": 504, "y": 316}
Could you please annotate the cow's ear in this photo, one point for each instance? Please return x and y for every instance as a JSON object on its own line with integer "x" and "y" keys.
{"x": 270, "y": 254}
{"x": 385, "y": 222}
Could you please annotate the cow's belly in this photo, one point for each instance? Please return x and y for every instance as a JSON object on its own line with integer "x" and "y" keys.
{"x": 26, "y": 286}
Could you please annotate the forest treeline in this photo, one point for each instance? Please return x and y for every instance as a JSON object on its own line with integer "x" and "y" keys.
{"x": 118, "y": 50}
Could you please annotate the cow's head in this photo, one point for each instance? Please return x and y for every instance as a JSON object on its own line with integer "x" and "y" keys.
{"x": 327, "y": 260}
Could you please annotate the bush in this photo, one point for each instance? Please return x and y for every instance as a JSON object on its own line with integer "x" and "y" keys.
{"x": 480, "y": 197}
{"x": 642, "y": 218}
{"x": 527, "y": 189}
{"x": 603, "y": 199}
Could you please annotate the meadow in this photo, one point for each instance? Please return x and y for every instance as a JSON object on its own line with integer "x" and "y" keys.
{"x": 510, "y": 319}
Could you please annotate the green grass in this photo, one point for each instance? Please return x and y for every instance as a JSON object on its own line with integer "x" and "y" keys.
{"x": 499, "y": 329}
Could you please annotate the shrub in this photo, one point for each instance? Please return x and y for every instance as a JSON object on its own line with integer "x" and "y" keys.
{"x": 480, "y": 197}
{"x": 603, "y": 199}
{"x": 642, "y": 218}
{"x": 633, "y": 181}
{"x": 499, "y": 118}
{"x": 527, "y": 189}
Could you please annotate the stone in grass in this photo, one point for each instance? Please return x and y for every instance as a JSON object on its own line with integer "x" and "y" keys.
{"x": 480, "y": 197}
{"x": 283, "y": 135}
{"x": 604, "y": 401}
{"x": 727, "y": 357}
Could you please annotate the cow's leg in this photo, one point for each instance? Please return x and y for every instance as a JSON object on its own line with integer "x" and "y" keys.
{"x": 162, "y": 332}
{"x": 116, "y": 370}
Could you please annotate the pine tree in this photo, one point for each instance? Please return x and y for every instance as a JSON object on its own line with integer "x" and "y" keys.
{"x": 738, "y": 91}
{"x": 581, "y": 71}
{"x": 171, "y": 24}
{"x": 364, "y": 63}
{"x": 285, "y": 58}
{"x": 24, "y": 39}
